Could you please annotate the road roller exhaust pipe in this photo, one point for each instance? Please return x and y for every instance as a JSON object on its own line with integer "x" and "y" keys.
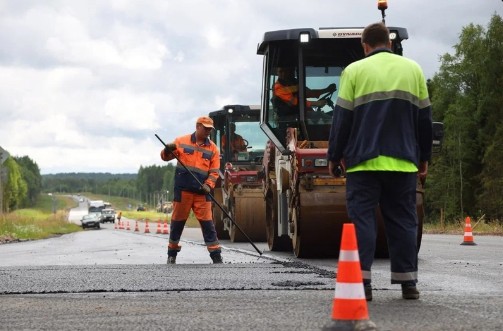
{"x": 213, "y": 198}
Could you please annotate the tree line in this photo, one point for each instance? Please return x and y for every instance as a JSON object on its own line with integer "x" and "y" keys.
{"x": 465, "y": 178}
{"x": 149, "y": 185}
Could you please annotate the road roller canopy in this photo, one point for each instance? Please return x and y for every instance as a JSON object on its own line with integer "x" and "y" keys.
{"x": 311, "y": 60}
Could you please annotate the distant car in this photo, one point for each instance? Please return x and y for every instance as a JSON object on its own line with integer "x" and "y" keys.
{"x": 90, "y": 221}
{"x": 108, "y": 215}
{"x": 98, "y": 214}
{"x": 140, "y": 208}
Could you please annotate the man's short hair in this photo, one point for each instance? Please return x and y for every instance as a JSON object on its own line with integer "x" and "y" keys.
{"x": 376, "y": 34}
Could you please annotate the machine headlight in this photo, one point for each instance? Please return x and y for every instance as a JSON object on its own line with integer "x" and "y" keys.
{"x": 320, "y": 162}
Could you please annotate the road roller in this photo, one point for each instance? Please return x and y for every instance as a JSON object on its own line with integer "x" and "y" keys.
{"x": 305, "y": 207}
{"x": 239, "y": 189}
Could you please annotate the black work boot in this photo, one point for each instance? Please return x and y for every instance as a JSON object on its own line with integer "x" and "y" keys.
{"x": 217, "y": 258}
{"x": 368, "y": 291}
{"x": 410, "y": 292}
{"x": 171, "y": 259}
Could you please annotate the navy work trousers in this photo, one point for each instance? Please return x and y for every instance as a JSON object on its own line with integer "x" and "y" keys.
{"x": 395, "y": 194}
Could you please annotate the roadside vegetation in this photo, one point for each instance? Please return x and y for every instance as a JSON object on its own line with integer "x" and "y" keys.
{"x": 40, "y": 221}
{"x": 49, "y": 217}
{"x": 479, "y": 227}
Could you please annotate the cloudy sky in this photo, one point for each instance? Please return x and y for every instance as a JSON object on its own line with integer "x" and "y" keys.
{"x": 85, "y": 84}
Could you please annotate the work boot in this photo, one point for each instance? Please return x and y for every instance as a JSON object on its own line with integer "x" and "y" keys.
{"x": 171, "y": 259}
{"x": 410, "y": 292}
{"x": 217, "y": 258}
{"x": 368, "y": 291}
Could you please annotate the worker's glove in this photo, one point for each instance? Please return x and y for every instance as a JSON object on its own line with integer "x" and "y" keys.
{"x": 336, "y": 169}
{"x": 332, "y": 87}
{"x": 319, "y": 103}
{"x": 169, "y": 148}
{"x": 206, "y": 188}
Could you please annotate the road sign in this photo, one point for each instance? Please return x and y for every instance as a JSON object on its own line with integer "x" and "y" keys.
{"x": 3, "y": 155}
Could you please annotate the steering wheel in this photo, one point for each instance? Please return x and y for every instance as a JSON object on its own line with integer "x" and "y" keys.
{"x": 327, "y": 97}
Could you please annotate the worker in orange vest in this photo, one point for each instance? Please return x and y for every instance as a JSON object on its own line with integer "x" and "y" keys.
{"x": 286, "y": 89}
{"x": 238, "y": 143}
{"x": 201, "y": 156}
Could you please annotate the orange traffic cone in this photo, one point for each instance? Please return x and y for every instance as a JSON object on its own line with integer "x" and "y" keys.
{"x": 165, "y": 231}
{"x": 115, "y": 225}
{"x": 159, "y": 230}
{"x": 468, "y": 237}
{"x": 121, "y": 225}
{"x": 147, "y": 229}
{"x": 127, "y": 226}
{"x": 136, "y": 229}
{"x": 349, "y": 309}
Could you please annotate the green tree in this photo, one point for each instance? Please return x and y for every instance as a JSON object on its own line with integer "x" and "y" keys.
{"x": 15, "y": 189}
{"x": 491, "y": 116}
{"x": 153, "y": 182}
{"x": 168, "y": 181}
{"x": 467, "y": 97}
{"x": 30, "y": 172}
{"x": 149, "y": 182}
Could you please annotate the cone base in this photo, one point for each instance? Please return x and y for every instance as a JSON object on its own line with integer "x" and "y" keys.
{"x": 361, "y": 325}
{"x": 468, "y": 243}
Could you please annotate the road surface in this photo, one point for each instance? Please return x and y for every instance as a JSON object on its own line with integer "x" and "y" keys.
{"x": 118, "y": 279}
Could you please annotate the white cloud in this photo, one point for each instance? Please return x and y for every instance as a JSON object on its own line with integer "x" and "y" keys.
{"x": 86, "y": 79}
{"x": 128, "y": 110}
{"x": 123, "y": 46}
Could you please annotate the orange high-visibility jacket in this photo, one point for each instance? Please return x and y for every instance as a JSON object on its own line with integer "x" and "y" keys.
{"x": 202, "y": 160}
{"x": 287, "y": 92}
{"x": 237, "y": 145}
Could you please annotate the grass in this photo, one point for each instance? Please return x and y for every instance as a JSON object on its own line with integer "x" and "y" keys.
{"x": 153, "y": 216}
{"x": 479, "y": 227}
{"x": 39, "y": 222}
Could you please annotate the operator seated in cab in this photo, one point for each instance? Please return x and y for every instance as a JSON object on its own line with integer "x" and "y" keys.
{"x": 238, "y": 143}
{"x": 286, "y": 89}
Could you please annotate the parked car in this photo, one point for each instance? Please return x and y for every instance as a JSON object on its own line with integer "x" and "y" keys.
{"x": 140, "y": 208}
{"x": 108, "y": 215}
{"x": 91, "y": 220}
